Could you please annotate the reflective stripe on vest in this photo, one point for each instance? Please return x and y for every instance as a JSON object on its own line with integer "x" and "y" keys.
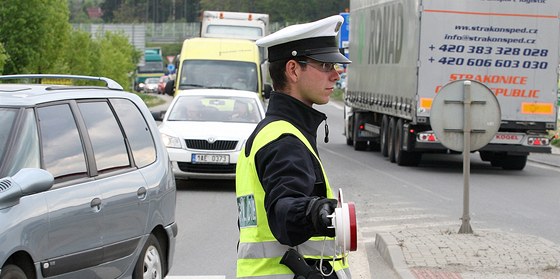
{"x": 259, "y": 252}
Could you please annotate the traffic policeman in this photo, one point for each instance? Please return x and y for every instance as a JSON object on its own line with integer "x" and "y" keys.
{"x": 283, "y": 194}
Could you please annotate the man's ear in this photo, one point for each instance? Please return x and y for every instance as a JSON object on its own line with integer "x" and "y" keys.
{"x": 293, "y": 70}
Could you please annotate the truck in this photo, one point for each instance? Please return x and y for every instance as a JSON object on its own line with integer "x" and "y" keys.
{"x": 404, "y": 51}
{"x": 151, "y": 67}
{"x": 219, "y": 24}
{"x": 220, "y": 63}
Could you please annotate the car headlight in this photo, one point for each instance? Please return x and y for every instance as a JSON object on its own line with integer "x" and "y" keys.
{"x": 170, "y": 141}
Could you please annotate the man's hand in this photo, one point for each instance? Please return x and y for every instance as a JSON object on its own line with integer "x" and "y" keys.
{"x": 317, "y": 211}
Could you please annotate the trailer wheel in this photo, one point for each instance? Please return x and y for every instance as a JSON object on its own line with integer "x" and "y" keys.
{"x": 514, "y": 162}
{"x": 358, "y": 145}
{"x": 383, "y": 142}
{"x": 403, "y": 157}
{"x": 509, "y": 162}
{"x": 391, "y": 139}
{"x": 486, "y": 156}
{"x": 348, "y": 127}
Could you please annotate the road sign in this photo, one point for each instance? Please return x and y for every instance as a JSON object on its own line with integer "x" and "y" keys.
{"x": 448, "y": 113}
{"x": 344, "y": 34}
{"x": 170, "y": 68}
{"x": 465, "y": 116}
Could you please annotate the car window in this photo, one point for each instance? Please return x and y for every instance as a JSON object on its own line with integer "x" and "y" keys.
{"x": 27, "y": 145}
{"x": 63, "y": 154}
{"x": 137, "y": 132}
{"x": 106, "y": 137}
{"x": 25, "y": 149}
{"x": 7, "y": 118}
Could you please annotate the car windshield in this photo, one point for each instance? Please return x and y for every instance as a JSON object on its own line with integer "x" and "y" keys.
{"x": 219, "y": 74}
{"x": 215, "y": 108}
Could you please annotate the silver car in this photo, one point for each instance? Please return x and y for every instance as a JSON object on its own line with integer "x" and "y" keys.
{"x": 205, "y": 129}
{"x": 86, "y": 185}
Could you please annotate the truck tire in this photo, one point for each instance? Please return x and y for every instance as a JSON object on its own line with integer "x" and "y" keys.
{"x": 383, "y": 136}
{"x": 486, "y": 156}
{"x": 358, "y": 145}
{"x": 348, "y": 128}
{"x": 391, "y": 139}
{"x": 514, "y": 162}
{"x": 509, "y": 162}
{"x": 403, "y": 157}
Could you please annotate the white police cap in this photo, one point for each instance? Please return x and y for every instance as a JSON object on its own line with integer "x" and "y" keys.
{"x": 316, "y": 40}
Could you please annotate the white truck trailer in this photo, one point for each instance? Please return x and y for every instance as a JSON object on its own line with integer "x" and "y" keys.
{"x": 251, "y": 26}
{"x": 404, "y": 51}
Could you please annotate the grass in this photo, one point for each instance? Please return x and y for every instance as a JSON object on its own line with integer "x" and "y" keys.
{"x": 337, "y": 94}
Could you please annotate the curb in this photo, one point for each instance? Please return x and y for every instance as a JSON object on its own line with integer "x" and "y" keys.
{"x": 391, "y": 252}
{"x": 359, "y": 264}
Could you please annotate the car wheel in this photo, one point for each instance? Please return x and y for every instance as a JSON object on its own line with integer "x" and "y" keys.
{"x": 12, "y": 271}
{"x": 150, "y": 264}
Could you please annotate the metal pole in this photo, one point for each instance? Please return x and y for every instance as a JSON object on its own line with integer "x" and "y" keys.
{"x": 466, "y": 226}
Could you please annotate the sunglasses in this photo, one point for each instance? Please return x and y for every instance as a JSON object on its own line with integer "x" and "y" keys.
{"x": 321, "y": 66}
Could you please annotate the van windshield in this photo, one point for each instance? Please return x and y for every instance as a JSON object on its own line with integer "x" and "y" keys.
{"x": 219, "y": 74}
{"x": 151, "y": 67}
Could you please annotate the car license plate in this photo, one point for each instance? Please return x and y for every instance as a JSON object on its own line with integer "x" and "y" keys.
{"x": 210, "y": 159}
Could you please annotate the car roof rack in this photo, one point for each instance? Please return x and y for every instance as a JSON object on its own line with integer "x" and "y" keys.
{"x": 111, "y": 84}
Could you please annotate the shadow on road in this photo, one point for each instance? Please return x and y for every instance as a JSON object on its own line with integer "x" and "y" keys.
{"x": 206, "y": 185}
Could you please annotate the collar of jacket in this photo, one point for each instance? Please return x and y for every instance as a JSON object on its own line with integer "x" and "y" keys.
{"x": 284, "y": 106}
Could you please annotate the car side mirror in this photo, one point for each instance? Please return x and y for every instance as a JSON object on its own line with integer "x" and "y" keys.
{"x": 266, "y": 91}
{"x": 170, "y": 88}
{"x": 26, "y": 181}
{"x": 158, "y": 115}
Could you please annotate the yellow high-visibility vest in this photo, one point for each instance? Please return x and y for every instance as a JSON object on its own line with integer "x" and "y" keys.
{"x": 259, "y": 253}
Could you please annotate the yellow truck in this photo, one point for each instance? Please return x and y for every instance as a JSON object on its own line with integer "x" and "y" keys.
{"x": 220, "y": 63}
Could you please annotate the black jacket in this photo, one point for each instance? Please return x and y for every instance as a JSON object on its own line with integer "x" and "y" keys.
{"x": 288, "y": 171}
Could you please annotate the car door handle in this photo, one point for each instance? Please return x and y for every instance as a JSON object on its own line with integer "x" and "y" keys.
{"x": 141, "y": 192}
{"x": 96, "y": 204}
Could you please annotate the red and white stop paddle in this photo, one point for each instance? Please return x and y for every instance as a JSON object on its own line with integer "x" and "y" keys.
{"x": 345, "y": 226}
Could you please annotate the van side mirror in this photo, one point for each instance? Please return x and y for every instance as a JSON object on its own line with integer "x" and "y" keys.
{"x": 170, "y": 88}
{"x": 266, "y": 90}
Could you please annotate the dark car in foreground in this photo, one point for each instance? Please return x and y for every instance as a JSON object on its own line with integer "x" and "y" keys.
{"x": 86, "y": 185}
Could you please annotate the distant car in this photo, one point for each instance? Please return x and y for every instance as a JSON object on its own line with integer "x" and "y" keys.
{"x": 151, "y": 85}
{"x": 161, "y": 84}
{"x": 205, "y": 129}
{"x": 86, "y": 188}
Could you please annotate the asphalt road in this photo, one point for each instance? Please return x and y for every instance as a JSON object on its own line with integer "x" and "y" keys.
{"x": 387, "y": 197}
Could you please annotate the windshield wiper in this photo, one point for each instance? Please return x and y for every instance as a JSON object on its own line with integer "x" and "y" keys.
{"x": 182, "y": 86}
{"x": 220, "y": 87}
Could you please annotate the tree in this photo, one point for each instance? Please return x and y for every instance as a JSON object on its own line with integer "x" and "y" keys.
{"x": 34, "y": 34}
{"x": 3, "y": 57}
{"x": 115, "y": 57}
